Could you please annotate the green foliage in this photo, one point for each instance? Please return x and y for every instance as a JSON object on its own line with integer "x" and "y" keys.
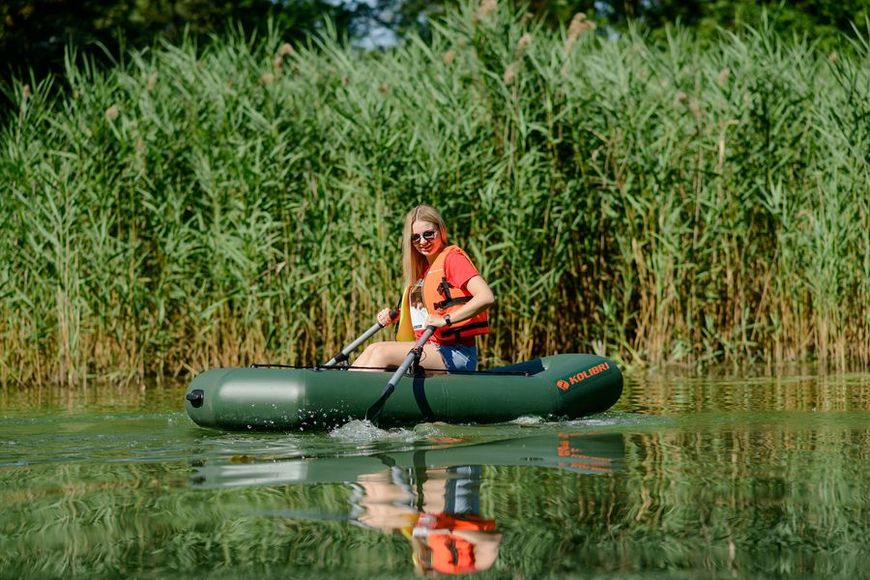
{"x": 35, "y": 34}
{"x": 242, "y": 202}
{"x": 824, "y": 21}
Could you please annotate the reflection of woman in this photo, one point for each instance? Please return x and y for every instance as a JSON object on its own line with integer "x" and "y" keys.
{"x": 442, "y": 289}
{"x": 447, "y": 533}
{"x": 450, "y": 536}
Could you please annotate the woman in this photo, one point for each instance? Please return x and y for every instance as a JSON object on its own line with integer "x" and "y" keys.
{"x": 442, "y": 289}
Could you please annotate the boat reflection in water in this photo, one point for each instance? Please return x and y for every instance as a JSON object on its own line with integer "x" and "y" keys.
{"x": 430, "y": 496}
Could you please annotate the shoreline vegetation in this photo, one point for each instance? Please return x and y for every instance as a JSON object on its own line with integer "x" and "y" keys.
{"x": 660, "y": 203}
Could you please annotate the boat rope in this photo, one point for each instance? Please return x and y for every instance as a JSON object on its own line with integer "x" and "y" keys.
{"x": 347, "y": 368}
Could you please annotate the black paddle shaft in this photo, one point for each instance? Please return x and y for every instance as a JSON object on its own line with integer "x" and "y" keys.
{"x": 374, "y": 411}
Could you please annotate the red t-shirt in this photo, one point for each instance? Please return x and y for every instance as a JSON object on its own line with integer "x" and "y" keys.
{"x": 458, "y": 269}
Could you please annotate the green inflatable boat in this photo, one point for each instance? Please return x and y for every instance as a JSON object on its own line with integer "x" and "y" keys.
{"x": 271, "y": 398}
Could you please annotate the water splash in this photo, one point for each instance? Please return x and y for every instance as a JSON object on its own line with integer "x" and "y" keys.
{"x": 361, "y": 431}
{"x": 528, "y": 420}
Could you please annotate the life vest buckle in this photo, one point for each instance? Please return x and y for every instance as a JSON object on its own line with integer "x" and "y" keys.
{"x": 444, "y": 288}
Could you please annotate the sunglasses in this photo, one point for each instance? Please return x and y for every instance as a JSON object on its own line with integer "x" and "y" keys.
{"x": 428, "y": 235}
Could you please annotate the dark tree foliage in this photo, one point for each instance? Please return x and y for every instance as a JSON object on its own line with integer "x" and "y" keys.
{"x": 822, "y": 19}
{"x": 35, "y": 33}
{"x": 819, "y": 19}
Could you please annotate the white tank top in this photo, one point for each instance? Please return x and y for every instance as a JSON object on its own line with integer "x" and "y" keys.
{"x": 417, "y": 306}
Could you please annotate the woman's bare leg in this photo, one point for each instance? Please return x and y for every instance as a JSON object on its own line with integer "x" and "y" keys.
{"x": 431, "y": 358}
{"x": 382, "y": 355}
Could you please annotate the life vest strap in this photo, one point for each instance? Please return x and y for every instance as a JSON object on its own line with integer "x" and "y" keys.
{"x": 452, "y": 302}
{"x": 446, "y": 331}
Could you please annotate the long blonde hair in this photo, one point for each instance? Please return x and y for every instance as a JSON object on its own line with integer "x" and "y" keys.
{"x": 413, "y": 262}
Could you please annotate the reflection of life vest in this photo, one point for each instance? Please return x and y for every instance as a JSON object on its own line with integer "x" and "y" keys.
{"x": 451, "y": 554}
{"x": 440, "y": 297}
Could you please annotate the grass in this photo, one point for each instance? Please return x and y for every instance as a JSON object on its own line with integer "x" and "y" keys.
{"x": 241, "y": 201}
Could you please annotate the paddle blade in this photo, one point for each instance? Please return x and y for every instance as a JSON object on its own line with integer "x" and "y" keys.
{"x": 373, "y": 412}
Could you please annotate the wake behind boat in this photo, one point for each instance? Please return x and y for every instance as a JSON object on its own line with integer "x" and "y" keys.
{"x": 270, "y": 398}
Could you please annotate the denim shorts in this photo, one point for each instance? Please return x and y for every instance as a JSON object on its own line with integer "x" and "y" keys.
{"x": 458, "y": 357}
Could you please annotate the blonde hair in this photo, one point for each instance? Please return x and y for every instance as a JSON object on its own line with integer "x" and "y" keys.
{"x": 413, "y": 262}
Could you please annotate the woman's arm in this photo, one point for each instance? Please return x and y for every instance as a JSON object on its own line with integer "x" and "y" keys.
{"x": 481, "y": 299}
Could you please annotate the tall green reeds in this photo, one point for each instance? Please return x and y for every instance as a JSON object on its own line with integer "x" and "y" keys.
{"x": 240, "y": 202}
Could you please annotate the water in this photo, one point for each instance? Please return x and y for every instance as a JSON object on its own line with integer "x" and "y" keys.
{"x": 715, "y": 477}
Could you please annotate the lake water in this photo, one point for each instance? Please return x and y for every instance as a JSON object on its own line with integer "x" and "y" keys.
{"x": 685, "y": 477}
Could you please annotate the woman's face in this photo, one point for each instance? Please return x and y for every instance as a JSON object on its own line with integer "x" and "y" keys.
{"x": 426, "y": 238}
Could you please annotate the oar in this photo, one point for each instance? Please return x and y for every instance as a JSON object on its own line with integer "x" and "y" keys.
{"x": 342, "y": 356}
{"x": 375, "y": 410}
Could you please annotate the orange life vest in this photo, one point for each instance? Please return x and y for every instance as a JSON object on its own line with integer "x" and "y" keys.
{"x": 452, "y": 554}
{"x": 440, "y": 297}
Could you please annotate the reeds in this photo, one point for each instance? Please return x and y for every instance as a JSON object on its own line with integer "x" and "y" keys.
{"x": 241, "y": 202}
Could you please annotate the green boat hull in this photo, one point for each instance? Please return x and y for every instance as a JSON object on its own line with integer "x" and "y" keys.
{"x": 289, "y": 399}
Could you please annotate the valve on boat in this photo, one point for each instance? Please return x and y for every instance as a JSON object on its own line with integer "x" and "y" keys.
{"x": 196, "y": 398}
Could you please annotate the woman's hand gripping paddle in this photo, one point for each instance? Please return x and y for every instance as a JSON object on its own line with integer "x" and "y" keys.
{"x": 374, "y": 411}
{"x": 342, "y": 356}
